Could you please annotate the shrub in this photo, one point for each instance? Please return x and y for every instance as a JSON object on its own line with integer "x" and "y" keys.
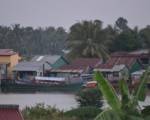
{"x": 83, "y": 113}
{"x": 40, "y": 112}
{"x": 89, "y": 97}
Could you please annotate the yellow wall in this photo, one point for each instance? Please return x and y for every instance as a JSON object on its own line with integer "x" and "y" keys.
{"x": 12, "y": 60}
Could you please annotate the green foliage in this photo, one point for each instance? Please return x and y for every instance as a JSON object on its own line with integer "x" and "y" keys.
{"x": 108, "y": 115}
{"x": 29, "y": 41}
{"x": 85, "y": 39}
{"x": 40, "y": 112}
{"x": 88, "y": 39}
{"x": 84, "y": 113}
{"x": 121, "y": 24}
{"x": 145, "y": 36}
{"x": 146, "y": 111}
{"x": 141, "y": 90}
{"x": 126, "y": 108}
{"x": 108, "y": 91}
{"x": 89, "y": 97}
{"x": 126, "y": 41}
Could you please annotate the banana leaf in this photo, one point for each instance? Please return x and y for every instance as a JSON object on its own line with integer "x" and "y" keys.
{"x": 108, "y": 92}
{"x": 108, "y": 115}
{"x": 140, "y": 93}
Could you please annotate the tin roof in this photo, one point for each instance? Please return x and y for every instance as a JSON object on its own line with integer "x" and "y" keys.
{"x": 37, "y": 63}
{"x": 115, "y": 68}
{"x": 119, "y": 59}
{"x": 79, "y": 65}
{"x": 7, "y": 52}
{"x": 46, "y": 58}
{"x": 10, "y": 112}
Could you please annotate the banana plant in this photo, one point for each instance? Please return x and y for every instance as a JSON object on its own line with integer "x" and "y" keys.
{"x": 126, "y": 107}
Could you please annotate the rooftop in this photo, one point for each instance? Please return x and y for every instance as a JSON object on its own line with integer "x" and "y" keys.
{"x": 7, "y": 52}
{"x": 10, "y": 112}
{"x": 119, "y": 59}
{"x": 37, "y": 63}
{"x": 79, "y": 65}
{"x": 46, "y": 58}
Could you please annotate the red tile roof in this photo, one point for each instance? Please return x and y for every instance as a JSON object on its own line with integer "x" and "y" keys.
{"x": 7, "y": 52}
{"x": 10, "y": 112}
{"x": 118, "y": 59}
{"x": 82, "y": 63}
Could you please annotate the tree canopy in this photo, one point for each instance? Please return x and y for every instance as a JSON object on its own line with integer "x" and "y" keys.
{"x": 84, "y": 39}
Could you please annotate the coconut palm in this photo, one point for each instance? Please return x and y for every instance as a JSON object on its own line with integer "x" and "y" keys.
{"x": 88, "y": 39}
{"x": 126, "y": 108}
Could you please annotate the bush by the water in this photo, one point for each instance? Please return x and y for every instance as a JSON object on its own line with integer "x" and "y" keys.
{"x": 40, "y": 112}
{"x": 89, "y": 97}
{"x": 83, "y": 113}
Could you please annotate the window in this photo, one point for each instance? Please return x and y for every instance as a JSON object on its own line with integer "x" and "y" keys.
{"x": 116, "y": 74}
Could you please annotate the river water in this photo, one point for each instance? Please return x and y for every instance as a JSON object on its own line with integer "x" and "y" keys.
{"x": 62, "y": 101}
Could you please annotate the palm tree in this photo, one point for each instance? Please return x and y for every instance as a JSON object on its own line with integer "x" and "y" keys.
{"x": 126, "y": 108}
{"x": 88, "y": 39}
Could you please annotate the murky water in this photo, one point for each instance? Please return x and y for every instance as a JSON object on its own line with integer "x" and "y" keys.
{"x": 61, "y": 101}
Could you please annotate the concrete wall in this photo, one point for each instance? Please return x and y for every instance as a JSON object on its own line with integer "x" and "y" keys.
{"x": 11, "y": 60}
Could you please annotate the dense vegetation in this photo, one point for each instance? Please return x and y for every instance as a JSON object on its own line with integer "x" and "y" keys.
{"x": 29, "y": 41}
{"x": 85, "y": 38}
{"x": 89, "y": 97}
{"x": 90, "y": 39}
{"x": 41, "y": 112}
{"x": 126, "y": 108}
{"x": 83, "y": 113}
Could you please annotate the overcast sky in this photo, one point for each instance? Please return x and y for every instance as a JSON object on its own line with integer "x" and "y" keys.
{"x": 67, "y": 12}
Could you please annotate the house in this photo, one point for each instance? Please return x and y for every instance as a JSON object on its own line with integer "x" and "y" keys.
{"x": 37, "y": 66}
{"x": 136, "y": 76}
{"x": 143, "y": 56}
{"x": 119, "y": 65}
{"x": 10, "y": 112}
{"x": 55, "y": 61}
{"x": 8, "y": 59}
{"x": 115, "y": 73}
{"x": 73, "y": 71}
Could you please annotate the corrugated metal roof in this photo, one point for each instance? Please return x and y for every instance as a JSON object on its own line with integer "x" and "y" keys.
{"x": 116, "y": 68}
{"x": 46, "y": 58}
{"x": 30, "y": 66}
{"x": 119, "y": 59}
{"x": 10, "y": 112}
{"x": 37, "y": 62}
{"x": 7, "y": 52}
{"x": 82, "y": 63}
{"x": 140, "y": 72}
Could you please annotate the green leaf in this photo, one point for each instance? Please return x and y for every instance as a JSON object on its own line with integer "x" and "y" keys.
{"x": 124, "y": 93}
{"x": 108, "y": 92}
{"x": 130, "y": 117}
{"x": 147, "y": 118}
{"x": 141, "y": 90}
{"x": 108, "y": 115}
{"x": 146, "y": 111}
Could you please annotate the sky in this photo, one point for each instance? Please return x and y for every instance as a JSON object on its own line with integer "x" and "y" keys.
{"x": 43, "y": 13}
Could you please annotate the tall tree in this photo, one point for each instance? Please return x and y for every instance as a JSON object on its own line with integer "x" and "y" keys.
{"x": 88, "y": 39}
{"x": 29, "y": 41}
{"x": 121, "y": 24}
{"x": 145, "y": 36}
